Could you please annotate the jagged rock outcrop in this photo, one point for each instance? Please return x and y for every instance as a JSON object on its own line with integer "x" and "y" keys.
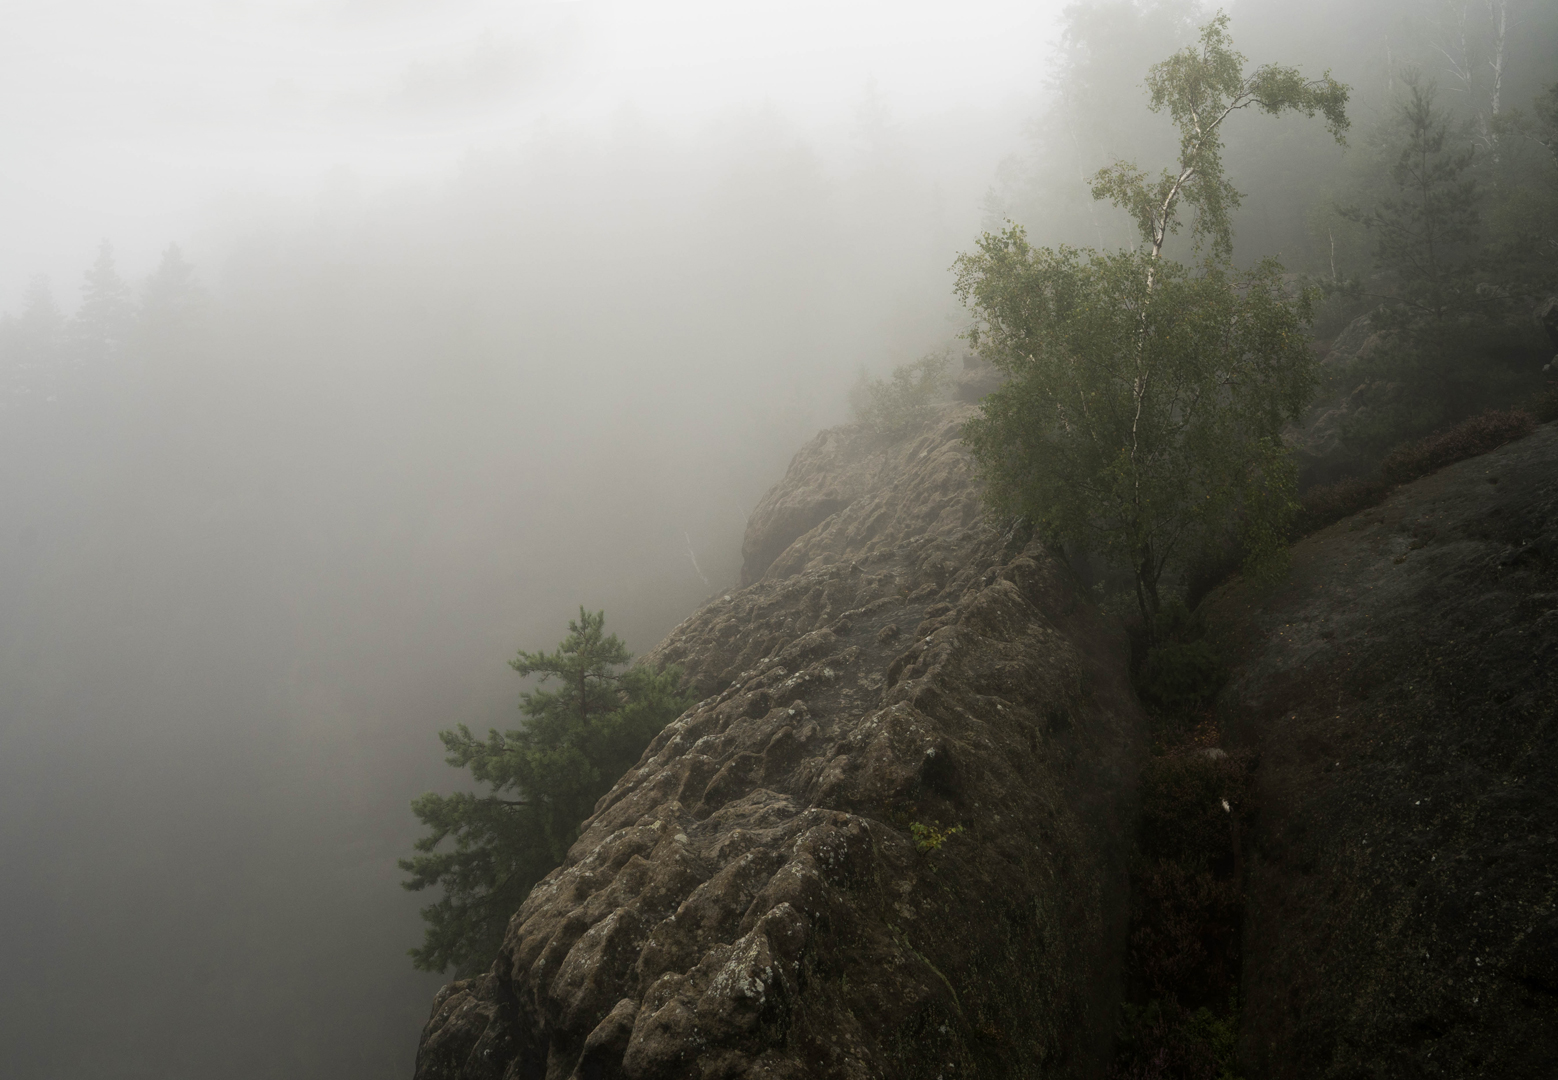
{"x": 763, "y": 895}
{"x": 1401, "y": 689}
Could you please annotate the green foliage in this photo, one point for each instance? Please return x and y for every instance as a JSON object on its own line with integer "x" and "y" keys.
{"x": 1144, "y": 412}
{"x": 928, "y": 838}
{"x": 1181, "y": 675}
{"x": 1427, "y": 227}
{"x": 1188, "y": 906}
{"x": 578, "y": 739}
{"x": 1182, "y": 671}
{"x": 908, "y": 397}
{"x": 1200, "y": 88}
{"x": 1163, "y": 1041}
{"x": 1145, "y": 404}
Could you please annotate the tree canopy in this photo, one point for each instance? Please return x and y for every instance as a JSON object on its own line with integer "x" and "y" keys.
{"x": 1142, "y": 419}
{"x": 1426, "y": 226}
{"x": 1201, "y": 88}
{"x": 1138, "y": 421}
{"x": 544, "y": 778}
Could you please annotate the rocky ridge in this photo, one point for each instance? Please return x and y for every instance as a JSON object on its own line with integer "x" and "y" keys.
{"x": 890, "y": 841}
{"x": 895, "y": 838}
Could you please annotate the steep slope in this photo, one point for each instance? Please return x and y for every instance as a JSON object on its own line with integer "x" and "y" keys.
{"x": 1400, "y": 688}
{"x": 777, "y": 888}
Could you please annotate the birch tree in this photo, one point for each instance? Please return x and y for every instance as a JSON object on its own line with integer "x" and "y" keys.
{"x": 1143, "y": 415}
{"x": 1201, "y": 87}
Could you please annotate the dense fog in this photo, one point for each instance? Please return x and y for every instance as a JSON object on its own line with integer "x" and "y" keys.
{"x": 370, "y": 430}
{"x": 421, "y": 326}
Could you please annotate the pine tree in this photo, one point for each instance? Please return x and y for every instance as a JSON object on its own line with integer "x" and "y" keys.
{"x": 579, "y": 737}
{"x": 1427, "y": 229}
{"x": 1453, "y": 335}
{"x": 103, "y": 321}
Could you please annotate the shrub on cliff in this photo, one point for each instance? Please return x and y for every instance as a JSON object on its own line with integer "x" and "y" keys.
{"x": 893, "y": 405}
{"x": 576, "y": 742}
{"x": 1477, "y": 435}
{"x": 1146, "y": 400}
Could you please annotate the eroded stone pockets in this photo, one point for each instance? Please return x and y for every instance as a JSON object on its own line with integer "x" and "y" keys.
{"x": 751, "y": 900}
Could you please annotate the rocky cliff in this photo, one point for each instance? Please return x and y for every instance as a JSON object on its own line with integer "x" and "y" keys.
{"x": 896, "y": 838}
{"x": 1401, "y": 690}
{"x": 892, "y": 840}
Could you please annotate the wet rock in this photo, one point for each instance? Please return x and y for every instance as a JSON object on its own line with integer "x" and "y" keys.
{"x": 850, "y": 492}
{"x": 1319, "y": 440}
{"x": 750, "y": 900}
{"x": 1356, "y": 341}
{"x": 1399, "y": 691}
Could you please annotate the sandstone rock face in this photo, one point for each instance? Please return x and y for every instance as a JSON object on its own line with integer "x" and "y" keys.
{"x": 1356, "y": 341}
{"x": 850, "y": 492}
{"x": 1401, "y": 689}
{"x": 763, "y": 895}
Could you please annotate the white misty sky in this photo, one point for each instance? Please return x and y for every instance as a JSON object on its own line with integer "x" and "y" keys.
{"x": 126, "y": 119}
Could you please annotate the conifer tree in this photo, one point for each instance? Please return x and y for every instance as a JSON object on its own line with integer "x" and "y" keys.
{"x": 581, "y": 733}
{"x": 1445, "y": 295}
{"x": 102, "y": 322}
{"x": 1427, "y": 227}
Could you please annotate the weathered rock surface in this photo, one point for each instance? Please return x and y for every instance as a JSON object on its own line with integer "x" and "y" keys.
{"x": 1546, "y": 314}
{"x": 1401, "y": 689}
{"x": 850, "y": 492}
{"x": 751, "y": 899}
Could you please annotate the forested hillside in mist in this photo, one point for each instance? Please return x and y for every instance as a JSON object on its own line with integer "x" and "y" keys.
{"x": 1295, "y": 176}
{"x": 1431, "y": 233}
{"x": 278, "y": 506}
{"x": 281, "y": 506}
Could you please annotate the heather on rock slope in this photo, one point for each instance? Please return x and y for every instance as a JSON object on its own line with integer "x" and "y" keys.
{"x": 757, "y": 897}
